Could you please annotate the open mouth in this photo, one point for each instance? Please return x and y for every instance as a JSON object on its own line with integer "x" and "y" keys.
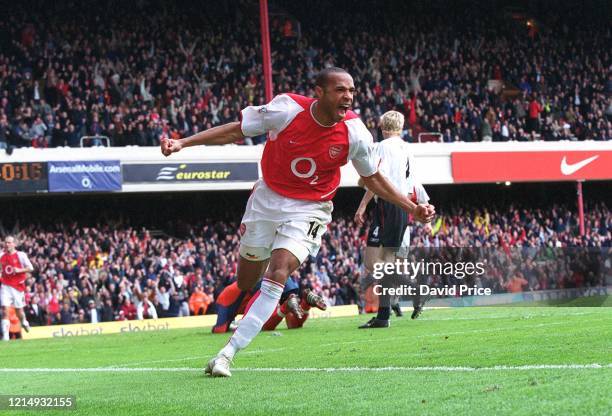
{"x": 343, "y": 108}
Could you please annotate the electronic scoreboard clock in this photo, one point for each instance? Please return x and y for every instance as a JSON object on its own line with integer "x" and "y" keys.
{"x": 23, "y": 177}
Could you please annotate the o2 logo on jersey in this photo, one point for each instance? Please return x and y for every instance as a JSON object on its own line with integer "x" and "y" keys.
{"x": 8, "y": 270}
{"x": 305, "y": 174}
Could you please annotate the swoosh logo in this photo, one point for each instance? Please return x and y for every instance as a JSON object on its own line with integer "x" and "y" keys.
{"x": 568, "y": 169}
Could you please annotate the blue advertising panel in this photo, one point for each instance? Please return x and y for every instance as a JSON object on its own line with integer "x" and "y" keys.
{"x": 85, "y": 176}
{"x": 190, "y": 172}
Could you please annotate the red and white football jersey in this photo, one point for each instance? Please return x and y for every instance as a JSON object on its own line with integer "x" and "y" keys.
{"x": 302, "y": 158}
{"x": 9, "y": 262}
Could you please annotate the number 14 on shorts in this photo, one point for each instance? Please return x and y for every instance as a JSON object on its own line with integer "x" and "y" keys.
{"x": 313, "y": 229}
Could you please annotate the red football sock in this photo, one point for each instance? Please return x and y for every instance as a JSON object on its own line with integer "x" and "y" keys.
{"x": 284, "y": 308}
{"x": 305, "y": 306}
{"x": 275, "y": 319}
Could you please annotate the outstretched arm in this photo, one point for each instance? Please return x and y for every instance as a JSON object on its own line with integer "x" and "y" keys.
{"x": 227, "y": 133}
{"x": 379, "y": 185}
{"x": 256, "y": 120}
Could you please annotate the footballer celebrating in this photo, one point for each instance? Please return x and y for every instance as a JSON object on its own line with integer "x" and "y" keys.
{"x": 309, "y": 139}
{"x": 15, "y": 264}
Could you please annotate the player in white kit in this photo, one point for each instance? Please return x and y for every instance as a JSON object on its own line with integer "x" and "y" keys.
{"x": 289, "y": 209}
{"x": 390, "y": 222}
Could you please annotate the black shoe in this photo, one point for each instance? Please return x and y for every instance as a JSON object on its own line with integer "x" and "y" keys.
{"x": 398, "y": 310}
{"x": 419, "y": 309}
{"x": 376, "y": 323}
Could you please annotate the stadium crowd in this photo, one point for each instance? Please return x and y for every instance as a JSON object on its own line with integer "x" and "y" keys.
{"x": 136, "y": 71}
{"x": 112, "y": 271}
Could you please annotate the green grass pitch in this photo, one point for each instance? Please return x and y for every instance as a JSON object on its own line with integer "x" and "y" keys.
{"x": 462, "y": 339}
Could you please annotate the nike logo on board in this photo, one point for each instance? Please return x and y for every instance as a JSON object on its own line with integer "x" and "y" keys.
{"x": 568, "y": 169}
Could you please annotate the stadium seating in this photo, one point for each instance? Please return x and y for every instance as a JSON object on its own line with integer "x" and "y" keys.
{"x": 122, "y": 80}
{"x": 112, "y": 262}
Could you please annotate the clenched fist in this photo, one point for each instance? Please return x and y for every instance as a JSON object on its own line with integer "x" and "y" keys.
{"x": 424, "y": 213}
{"x": 169, "y": 146}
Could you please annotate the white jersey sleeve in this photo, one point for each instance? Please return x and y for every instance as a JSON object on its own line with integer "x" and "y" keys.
{"x": 416, "y": 187}
{"x": 25, "y": 261}
{"x": 361, "y": 148}
{"x": 270, "y": 118}
{"x": 422, "y": 197}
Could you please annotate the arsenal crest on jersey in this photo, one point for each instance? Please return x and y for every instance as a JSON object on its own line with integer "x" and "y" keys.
{"x": 334, "y": 151}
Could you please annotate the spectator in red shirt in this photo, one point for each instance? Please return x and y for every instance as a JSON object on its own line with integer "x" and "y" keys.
{"x": 287, "y": 28}
{"x": 129, "y": 309}
{"x": 534, "y": 115}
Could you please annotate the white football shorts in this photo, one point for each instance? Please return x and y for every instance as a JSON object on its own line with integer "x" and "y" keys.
{"x": 403, "y": 250}
{"x": 272, "y": 221}
{"x": 11, "y": 296}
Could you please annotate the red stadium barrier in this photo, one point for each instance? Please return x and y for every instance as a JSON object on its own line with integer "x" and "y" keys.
{"x": 531, "y": 166}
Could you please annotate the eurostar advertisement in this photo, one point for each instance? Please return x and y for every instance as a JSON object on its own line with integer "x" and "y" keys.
{"x": 190, "y": 172}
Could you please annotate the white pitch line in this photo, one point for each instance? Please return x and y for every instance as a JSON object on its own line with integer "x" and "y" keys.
{"x": 313, "y": 369}
{"x": 262, "y": 351}
{"x": 496, "y": 317}
{"x": 197, "y": 357}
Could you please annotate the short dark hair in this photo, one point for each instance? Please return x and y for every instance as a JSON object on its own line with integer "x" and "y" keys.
{"x": 323, "y": 75}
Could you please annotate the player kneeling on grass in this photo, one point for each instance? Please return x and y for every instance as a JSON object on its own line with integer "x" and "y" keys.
{"x": 15, "y": 266}
{"x": 289, "y": 209}
{"x": 233, "y": 301}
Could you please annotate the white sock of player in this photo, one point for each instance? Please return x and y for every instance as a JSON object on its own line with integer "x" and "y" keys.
{"x": 261, "y": 308}
{"x": 6, "y": 324}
